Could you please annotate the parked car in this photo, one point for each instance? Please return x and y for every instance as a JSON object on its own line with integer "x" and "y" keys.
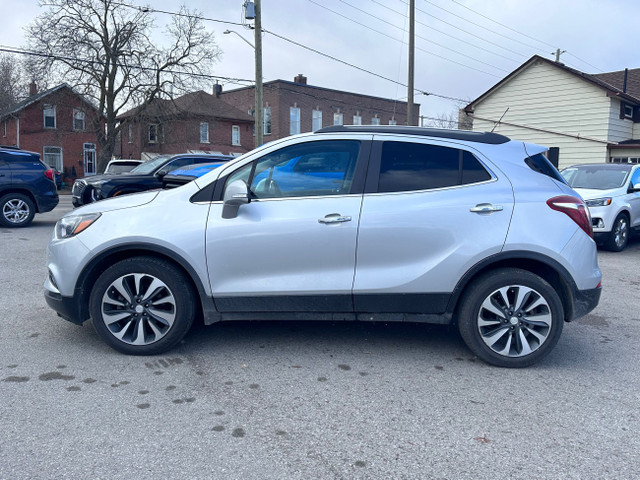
{"x": 27, "y": 187}
{"x": 187, "y": 174}
{"x": 612, "y": 193}
{"x": 121, "y": 165}
{"x": 146, "y": 176}
{"x": 401, "y": 224}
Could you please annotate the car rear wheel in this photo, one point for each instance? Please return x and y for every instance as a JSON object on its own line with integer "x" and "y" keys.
{"x": 142, "y": 306}
{"x": 510, "y": 318}
{"x": 619, "y": 236}
{"x": 16, "y": 210}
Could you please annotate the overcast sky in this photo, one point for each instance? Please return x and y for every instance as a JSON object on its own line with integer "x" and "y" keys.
{"x": 463, "y": 47}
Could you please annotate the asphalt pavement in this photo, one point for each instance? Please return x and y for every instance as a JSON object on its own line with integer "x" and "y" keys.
{"x": 295, "y": 400}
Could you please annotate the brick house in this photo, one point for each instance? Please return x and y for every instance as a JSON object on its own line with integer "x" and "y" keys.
{"x": 57, "y": 124}
{"x": 295, "y": 107}
{"x": 195, "y": 122}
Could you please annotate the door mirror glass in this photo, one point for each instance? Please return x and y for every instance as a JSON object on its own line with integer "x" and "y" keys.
{"x": 236, "y": 194}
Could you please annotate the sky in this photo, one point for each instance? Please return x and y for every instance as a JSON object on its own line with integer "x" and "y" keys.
{"x": 463, "y": 47}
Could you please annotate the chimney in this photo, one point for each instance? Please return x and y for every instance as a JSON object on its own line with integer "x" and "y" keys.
{"x": 217, "y": 89}
{"x": 300, "y": 78}
{"x": 33, "y": 88}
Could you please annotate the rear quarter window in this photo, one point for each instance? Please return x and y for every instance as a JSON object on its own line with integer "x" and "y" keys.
{"x": 539, "y": 163}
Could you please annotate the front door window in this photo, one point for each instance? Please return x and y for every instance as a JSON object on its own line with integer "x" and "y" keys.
{"x": 89, "y": 158}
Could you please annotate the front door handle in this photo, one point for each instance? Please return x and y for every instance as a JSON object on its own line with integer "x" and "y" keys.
{"x": 334, "y": 218}
{"x": 486, "y": 208}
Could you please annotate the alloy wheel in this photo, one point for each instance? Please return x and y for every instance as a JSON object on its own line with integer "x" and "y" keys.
{"x": 514, "y": 321}
{"x": 15, "y": 211}
{"x": 138, "y": 309}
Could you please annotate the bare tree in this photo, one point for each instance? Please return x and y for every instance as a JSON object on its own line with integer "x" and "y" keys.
{"x": 9, "y": 82}
{"x": 106, "y": 50}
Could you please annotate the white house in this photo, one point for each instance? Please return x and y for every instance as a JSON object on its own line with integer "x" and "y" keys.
{"x": 584, "y": 118}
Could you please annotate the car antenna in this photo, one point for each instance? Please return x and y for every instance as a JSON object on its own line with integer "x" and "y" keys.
{"x": 500, "y": 119}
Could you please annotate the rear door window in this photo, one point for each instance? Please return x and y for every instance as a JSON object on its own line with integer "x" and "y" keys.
{"x": 406, "y": 166}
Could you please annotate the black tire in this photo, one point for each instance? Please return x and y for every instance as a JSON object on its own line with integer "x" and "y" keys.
{"x": 16, "y": 210}
{"x": 159, "y": 314}
{"x": 502, "y": 308}
{"x": 619, "y": 236}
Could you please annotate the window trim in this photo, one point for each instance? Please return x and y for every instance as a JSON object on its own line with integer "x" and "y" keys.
{"x": 155, "y": 140}
{"x": 316, "y": 116}
{"x": 44, "y": 154}
{"x": 266, "y": 123}
{"x": 205, "y": 138}
{"x": 77, "y": 111}
{"x": 339, "y": 115}
{"x": 49, "y": 107}
{"x": 292, "y": 130}
{"x": 235, "y": 134}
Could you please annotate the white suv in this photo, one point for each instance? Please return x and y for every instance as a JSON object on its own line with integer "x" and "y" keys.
{"x": 612, "y": 193}
{"x": 347, "y": 223}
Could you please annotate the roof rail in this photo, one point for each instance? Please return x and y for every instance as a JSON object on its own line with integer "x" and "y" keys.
{"x": 479, "y": 137}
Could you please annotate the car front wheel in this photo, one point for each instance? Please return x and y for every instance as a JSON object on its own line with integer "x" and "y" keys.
{"x": 142, "y": 306}
{"x": 16, "y": 210}
{"x": 619, "y": 236}
{"x": 510, "y": 317}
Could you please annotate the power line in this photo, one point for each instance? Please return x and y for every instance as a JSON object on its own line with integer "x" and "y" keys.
{"x": 521, "y": 33}
{"x": 422, "y": 38}
{"x": 401, "y": 41}
{"x": 430, "y": 27}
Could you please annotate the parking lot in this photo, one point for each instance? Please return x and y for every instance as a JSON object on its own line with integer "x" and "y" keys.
{"x": 294, "y": 400}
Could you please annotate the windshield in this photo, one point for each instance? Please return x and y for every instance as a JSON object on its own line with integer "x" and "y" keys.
{"x": 596, "y": 177}
{"x": 150, "y": 165}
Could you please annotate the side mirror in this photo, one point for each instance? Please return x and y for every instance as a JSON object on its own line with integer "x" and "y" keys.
{"x": 236, "y": 194}
{"x": 161, "y": 173}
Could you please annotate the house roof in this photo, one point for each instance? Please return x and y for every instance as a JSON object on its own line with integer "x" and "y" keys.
{"x": 611, "y": 82}
{"x": 197, "y": 104}
{"x": 285, "y": 83}
{"x": 16, "y": 107}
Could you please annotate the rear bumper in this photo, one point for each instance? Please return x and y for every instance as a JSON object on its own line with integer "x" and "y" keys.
{"x": 47, "y": 202}
{"x": 585, "y": 301}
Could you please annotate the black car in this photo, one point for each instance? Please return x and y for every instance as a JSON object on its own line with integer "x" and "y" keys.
{"x": 146, "y": 176}
{"x": 27, "y": 187}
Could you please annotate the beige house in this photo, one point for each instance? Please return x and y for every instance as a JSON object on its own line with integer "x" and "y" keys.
{"x": 584, "y": 118}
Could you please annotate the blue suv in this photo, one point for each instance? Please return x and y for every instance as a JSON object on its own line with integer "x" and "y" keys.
{"x": 27, "y": 187}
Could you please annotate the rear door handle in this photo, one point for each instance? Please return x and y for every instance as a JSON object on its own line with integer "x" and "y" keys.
{"x": 486, "y": 208}
{"x": 334, "y": 218}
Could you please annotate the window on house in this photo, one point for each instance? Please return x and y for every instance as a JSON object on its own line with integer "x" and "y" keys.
{"x": 49, "y": 116}
{"x": 628, "y": 111}
{"x": 78, "y": 120}
{"x": 235, "y": 135}
{"x": 618, "y": 160}
{"x": 294, "y": 120}
{"x": 204, "y": 132}
{"x": 375, "y": 121}
{"x": 130, "y": 133}
{"x": 267, "y": 121}
{"x": 4, "y": 128}
{"x": 338, "y": 119}
{"x": 154, "y": 129}
{"x": 392, "y": 121}
{"x": 634, "y": 160}
{"x": 53, "y": 157}
{"x": 357, "y": 119}
{"x": 316, "y": 120}
{"x": 89, "y": 158}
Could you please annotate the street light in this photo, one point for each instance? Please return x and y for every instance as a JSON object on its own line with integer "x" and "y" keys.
{"x": 258, "y": 111}
{"x": 226, "y": 32}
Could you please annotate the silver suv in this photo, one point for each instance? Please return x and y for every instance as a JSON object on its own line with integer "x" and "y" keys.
{"x": 347, "y": 223}
{"x": 612, "y": 194}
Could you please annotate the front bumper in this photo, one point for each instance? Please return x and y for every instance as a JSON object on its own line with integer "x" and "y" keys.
{"x": 66, "y": 307}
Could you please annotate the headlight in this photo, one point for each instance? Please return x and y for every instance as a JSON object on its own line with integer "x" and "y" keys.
{"x": 74, "y": 224}
{"x": 598, "y": 202}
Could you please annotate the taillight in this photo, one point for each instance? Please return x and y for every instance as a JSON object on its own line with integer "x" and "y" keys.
{"x": 49, "y": 174}
{"x": 575, "y": 208}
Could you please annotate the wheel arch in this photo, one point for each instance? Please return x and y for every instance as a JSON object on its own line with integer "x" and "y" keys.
{"x": 101, "y": 262}
{"x": 23, "y": 191}
{"x": 545, "y": 267}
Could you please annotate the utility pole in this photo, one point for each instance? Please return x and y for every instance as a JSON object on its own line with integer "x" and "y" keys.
{"x": 412, "y": 35}
{"x": 557, "y": 53}
{"x": 259, "y": 120}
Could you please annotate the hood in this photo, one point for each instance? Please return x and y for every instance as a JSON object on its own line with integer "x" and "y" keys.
{"x": 117, "y": 203}
{"x": 590, "y": 193}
